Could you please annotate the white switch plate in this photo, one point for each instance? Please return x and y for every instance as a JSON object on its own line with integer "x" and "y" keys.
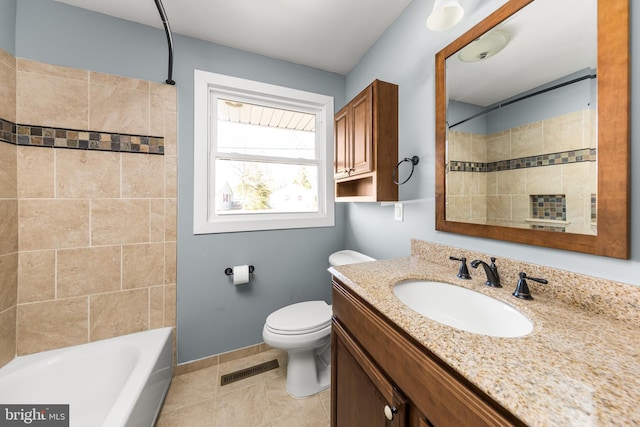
{"x": 398, "y": 212}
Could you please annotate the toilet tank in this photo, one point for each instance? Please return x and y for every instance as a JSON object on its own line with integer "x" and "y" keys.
{"x": 348, "y": 257}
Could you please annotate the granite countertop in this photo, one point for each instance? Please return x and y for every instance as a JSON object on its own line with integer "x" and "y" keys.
{"x": 577, "y": 367}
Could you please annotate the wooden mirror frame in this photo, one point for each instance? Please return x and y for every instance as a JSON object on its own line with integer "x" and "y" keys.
{"x": 613, "y": 214}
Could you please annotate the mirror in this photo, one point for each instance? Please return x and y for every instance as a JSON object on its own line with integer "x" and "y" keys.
{"x": 532, "y": 141}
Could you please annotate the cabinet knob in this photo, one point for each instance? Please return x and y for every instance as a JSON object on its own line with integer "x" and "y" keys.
{"x": 390, "y": 412}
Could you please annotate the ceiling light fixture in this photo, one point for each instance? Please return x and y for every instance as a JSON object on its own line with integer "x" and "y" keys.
{"x": 485, "y": 46}
{"x": 445, "y": 14}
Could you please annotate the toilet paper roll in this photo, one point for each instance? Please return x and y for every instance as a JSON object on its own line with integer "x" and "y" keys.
{"x": 240, "y": 274}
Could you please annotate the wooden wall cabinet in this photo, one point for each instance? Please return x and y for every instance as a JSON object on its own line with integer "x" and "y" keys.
{"x": 366, "y": 145}
{"x": 378, "y": 369}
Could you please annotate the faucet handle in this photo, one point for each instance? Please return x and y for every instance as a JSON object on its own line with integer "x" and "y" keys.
{"x": 463, "y": 271}
{"x": 522, "y": 289}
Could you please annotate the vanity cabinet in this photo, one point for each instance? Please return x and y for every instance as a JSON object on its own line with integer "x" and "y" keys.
{"x": 366, "y": 145}
{"x": 379, "y": 370}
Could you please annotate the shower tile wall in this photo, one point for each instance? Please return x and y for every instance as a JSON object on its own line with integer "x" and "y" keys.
{"x": 97, "y": 229}
{"x": 8, "y": 214}
{"x": 479, "y": 190}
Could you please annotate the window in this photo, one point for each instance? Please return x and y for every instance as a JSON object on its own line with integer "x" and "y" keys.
{"x": 260, "y": 156}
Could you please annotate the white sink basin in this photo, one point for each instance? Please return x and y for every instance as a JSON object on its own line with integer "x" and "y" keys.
{"x": 463, "y": 308}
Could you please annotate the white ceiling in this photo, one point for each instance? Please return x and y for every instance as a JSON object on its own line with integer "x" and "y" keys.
{"x": 331, "y": 35}
{"x": 550, "y": 39}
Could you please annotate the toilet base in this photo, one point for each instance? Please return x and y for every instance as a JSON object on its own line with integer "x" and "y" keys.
{"x": 308, "y": 372}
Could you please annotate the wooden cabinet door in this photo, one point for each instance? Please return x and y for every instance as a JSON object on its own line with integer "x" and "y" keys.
{"x": 342, "y": 140}
{"x": 361, "y": 394}
{"x": 362, "y": 142}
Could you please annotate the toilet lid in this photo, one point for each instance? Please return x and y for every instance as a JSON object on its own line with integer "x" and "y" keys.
{"x": 303, "y": 317}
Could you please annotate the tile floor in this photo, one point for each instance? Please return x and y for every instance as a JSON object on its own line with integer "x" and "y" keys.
{"x": 197, "y": 399}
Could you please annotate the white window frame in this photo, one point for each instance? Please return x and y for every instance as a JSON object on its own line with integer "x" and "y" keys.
{"x": 206, "y": 87}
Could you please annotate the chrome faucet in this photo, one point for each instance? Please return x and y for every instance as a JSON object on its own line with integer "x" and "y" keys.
{"x": 493, "y": 278}
{"x": 522, "y": 289}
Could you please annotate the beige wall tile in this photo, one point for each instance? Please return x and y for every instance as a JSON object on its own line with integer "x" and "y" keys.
{"x": 579, "y": 178}
{"x": 455, "y": 183}
{"x": 36, "y": 172}
{"x": 87, "y": 174}
{"x": 8, "y": 281}
{"x": 52, "y": 324}
{"x": 58, "y": 98}
{"x": 88, "y": 271}
{"x": 156, "y": 113}
{"x": 499, "y": 207}
{"x": 170, "y": 176}
{"x": 170, "y": 263}
{"x": 119, "y": 105}
{"x": 544, "y": 180}
{"x": 479, "y": 148}
{"x": 119, "y": 313}
{"x": 170, "y": 133}
{"x": 564, "y": 133}
{"x": 459, "y": 207}
{"x": 7, "y": 335}
{"x": 479, "y": 208}
{"x": 8, "y": 86}
{"x": 45, "y": 69}
{"x": 7, "y": 58}
{"x": 520, "y": 207}
{"x": 511, "y": 181}
{"x": 170, "y": 220}
{"x": 115, "y": 221}
{"x": 492, "y": 183}
{"x": 142, "y": 176}
{"x": 53, "y": 224}
{"x": 142, "y": 265}
{"x": 36, "y": 276}
{"x": 499, "y": 146}
{"x": 8, "y": 226}
{"x": 576, "y": 214}
{"x": 527, "y": 141}
{"x": 156, "y": 307}
{"x": 8, "y": 170}
{"x": 156, "y": 220}
{"x": 170, "y": 305}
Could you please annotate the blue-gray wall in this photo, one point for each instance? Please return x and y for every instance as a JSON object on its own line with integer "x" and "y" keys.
{"x": 213, "y": 315}
{"x": 8, "y": 25}
{"x": 562, "y": 100}
{"x": 405, "y": 55}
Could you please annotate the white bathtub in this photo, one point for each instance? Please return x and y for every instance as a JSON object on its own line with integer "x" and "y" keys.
{"x": 115, "y": 382}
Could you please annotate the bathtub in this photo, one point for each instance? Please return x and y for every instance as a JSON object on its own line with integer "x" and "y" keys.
{"x": 115, "y": 382}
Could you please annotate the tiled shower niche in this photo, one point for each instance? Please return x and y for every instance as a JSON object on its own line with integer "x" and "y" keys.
{"x": 550, "y": 209}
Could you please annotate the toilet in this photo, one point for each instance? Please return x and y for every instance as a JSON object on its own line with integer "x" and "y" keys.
{"x": 304, "y": 331}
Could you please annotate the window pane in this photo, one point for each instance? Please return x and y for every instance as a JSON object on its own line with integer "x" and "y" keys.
{"x": 261, "y": 130}
{"x": 255, "y": 187}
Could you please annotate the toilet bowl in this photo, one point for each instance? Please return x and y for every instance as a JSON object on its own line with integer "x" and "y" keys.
{"x": 304, "y": 331}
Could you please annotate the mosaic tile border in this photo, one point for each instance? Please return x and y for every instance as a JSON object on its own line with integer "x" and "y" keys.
{"x": 573, "y": 156}
{"x": 41, "y": 136}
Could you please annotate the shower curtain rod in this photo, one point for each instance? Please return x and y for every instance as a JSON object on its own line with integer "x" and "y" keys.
{"x": 523, "y": 97}
{"x": 167, "y": 30}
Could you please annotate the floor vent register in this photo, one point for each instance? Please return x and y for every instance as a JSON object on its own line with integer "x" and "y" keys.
{"x": 248, "y": 372}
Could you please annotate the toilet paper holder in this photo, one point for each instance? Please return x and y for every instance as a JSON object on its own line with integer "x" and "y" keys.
{"x": 229, "y": 271}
